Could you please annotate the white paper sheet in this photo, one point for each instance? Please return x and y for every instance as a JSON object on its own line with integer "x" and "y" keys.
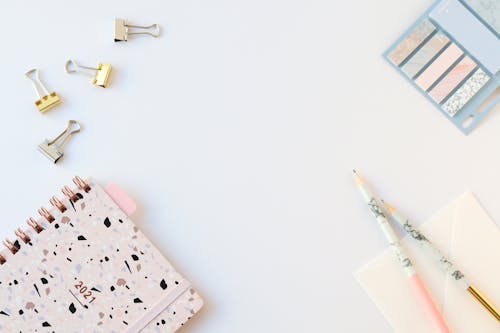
{"x": 465, "y": 233}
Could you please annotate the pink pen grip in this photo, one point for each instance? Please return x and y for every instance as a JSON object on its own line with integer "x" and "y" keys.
{"x": 426, "y": 301}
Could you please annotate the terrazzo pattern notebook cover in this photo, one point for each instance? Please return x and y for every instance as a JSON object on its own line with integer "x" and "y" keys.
{"x": 90, "y": 270}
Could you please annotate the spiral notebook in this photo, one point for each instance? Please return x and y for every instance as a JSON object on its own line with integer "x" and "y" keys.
{"x": 84, "y": 266}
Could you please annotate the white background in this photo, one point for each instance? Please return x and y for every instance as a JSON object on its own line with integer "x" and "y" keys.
{"x": 236, "y": 132}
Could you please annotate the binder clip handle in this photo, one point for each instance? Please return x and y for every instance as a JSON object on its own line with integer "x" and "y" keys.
{"x": 100, "y": 75}
{"x": 122, "y": 30}
{"x": 46, "y": 100}
{"x": 154, "y": 30}
{"x": 72, "y": 66}
{"x": 53, "y": 149}
{"x": 34, "y": 76}
{"x": 72, "y": 128}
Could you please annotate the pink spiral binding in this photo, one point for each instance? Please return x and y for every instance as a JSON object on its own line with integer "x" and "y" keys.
{"x": 45, "y": 213}
{"x": 10, "y": 246}
{"x": 22, "y": 235}
{"x": 34, "y": 224}
{"x": 54, "y": 201}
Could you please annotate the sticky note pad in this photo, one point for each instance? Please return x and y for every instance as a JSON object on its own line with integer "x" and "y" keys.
{"x": 458, "y": 21}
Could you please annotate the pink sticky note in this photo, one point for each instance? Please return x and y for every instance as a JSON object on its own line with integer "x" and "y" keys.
{"x": 452, "y": 79}
{"x": 439, "y": 66}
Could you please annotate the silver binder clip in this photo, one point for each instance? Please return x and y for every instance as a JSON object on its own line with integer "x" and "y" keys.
{"x": 53, "y": 149}
{"x": 47, "y": 100}
{"x": 122, "y": 30}
{"x": 99, "y": 78}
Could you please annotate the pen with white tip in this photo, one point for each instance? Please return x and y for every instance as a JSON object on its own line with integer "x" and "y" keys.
{"x": 414, "y": 280}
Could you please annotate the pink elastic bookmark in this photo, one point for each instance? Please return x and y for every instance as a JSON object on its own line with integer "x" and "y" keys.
{"x": 128, "y": 205}
{"x": 428, "y": 304}
{"x": 159, "y": 307}
{"x": 121, "y": 198}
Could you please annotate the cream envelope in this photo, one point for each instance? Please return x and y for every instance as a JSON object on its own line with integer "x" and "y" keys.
{"x": 466, "y": 234}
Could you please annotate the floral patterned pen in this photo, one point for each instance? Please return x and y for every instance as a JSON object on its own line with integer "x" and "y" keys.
{"x": 446, "y": 264}
{"x": 405, "y": 262}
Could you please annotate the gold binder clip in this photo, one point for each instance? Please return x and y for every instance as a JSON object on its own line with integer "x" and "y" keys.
{"x": 122, "y": 30}
{"x": 99, "y": 78}
{"x": 53, "y": 149}
{"x": 48, "y": 100}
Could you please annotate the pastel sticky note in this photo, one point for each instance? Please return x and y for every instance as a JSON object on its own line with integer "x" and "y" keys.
{"x": 452, "y": 79}
{"x": 488, "y": 11}
{"x": 471, "y": 33}
{"x": 411, "y": 42}
{"x": 439, "y": 66}
{"x": 425, "y": 54}
{"x": 457, "y": 101}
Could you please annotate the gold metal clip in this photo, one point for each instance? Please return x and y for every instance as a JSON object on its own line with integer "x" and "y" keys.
{"x": 46, "y": 101}
{"x": 99, "y": 78}
{"x": 53, "y": 149}
{"x": 122, "y": 30}
{"x": 484, "y": 301}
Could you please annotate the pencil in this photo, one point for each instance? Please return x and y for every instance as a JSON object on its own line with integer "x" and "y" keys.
{"x": 404, "y": 260}
{"x": 443, "y": 262}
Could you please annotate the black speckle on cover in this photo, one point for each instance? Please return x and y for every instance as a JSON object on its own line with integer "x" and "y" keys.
{"x": 80, "y": 238}
{"x": 46, "y": 324}
{"x": 36, "y": 288}
{"x": 44, "y": 280}
{"x": 126, "y": 263}
{"x": 163, "y": 284}
{"x": 137, "y": 300}
{"x": 4, "y": 313}
{"x": 72, "y": 308}
{"x": 135, "y": 257}
{"x": 107, "y": 222}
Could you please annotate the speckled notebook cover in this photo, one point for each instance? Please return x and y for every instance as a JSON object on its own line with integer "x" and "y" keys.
{"x": 92, "y": 270}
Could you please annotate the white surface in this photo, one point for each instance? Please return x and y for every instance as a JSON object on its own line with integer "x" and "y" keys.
{"x": 237, "y": 131}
